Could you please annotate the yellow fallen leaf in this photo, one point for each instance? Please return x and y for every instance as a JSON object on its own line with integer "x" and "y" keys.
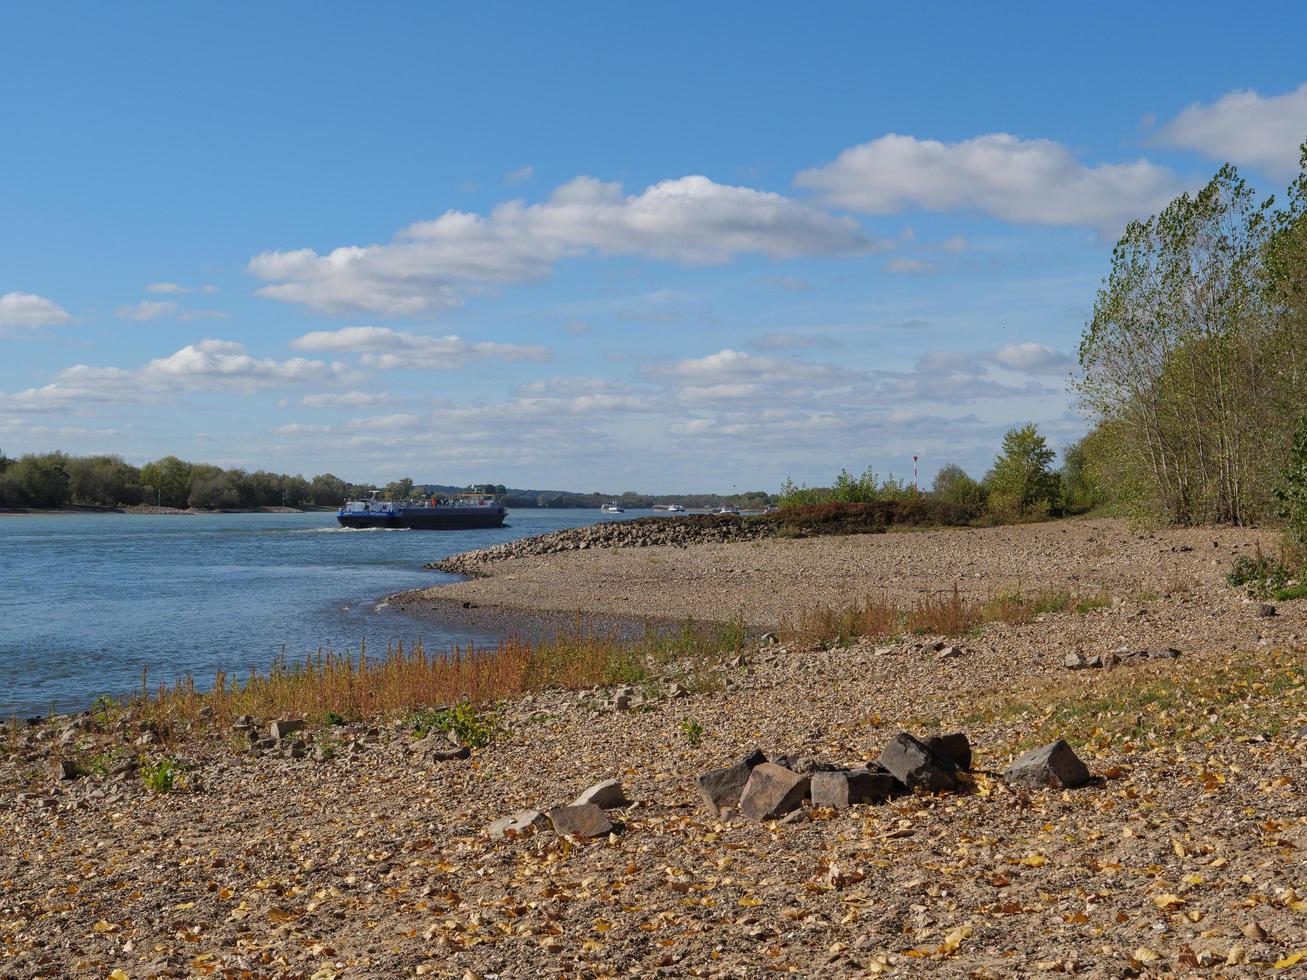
{"x": 103, "y": 927}
{"x": 119, "y": 974}
{"x": 1168, "y": 901}
{"x": 749, "y": 903}
{"x": 1033, "y": 860}
{"x": 1290, "y": 960}
{"x": 1145, "y": 955}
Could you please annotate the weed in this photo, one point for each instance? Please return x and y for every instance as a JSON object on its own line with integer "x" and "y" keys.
{"x": 162, "y": 775}
{"x": 1100, "y": 601}
{"x": 333, "y": 718}
{"x": 471, "y": 727}
{"x": 692, "y": 730}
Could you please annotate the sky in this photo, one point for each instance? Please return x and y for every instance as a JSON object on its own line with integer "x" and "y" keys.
{"x": 593, "y": 246}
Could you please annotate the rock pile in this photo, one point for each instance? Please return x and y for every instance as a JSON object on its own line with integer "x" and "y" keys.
{"x": 1121, "y": 655}
{"x": 643, "y": 532}
{"x": 767, "y": 790}
{"x": 583, "y": 817}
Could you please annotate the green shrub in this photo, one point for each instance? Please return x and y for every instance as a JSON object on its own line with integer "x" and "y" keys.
{"x": 472, "y": 727}
{"x": 162, "y": 775}
{"x": 692, "y": 730}
{"x": 1292, "y": 492}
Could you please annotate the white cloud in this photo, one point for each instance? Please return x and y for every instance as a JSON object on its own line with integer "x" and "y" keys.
{"x": 206, "y": 366}
{"x": 1023, "y": 181}
{"x": 778, "y": 340}
{"x": 345, "y": 399}
{"x": 167, "y": 288}
{"x": 519, "y": 176}
{"x": 1264, "y": 132}
{"x": 27, "y": 310}
{"x": 909, "y": 267}
{"x": 296, "y": 428}
{"x": 1032, "y": 358}
{"x": 146, "y": 309}
{"x": 383, "y": 347}
{"x": 433, "y": 265}
{"x": 792, "y": 283}
{"x": 955, "y": 244}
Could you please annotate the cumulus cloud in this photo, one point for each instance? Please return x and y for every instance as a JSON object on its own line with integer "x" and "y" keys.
{"x": 345, "y": 399}
{"x": 383, "y": 347}
{"x": 1024, "y": 181}
{"x": 27, "y": 310}
{"x": 146, "y": 310}
{"x": 432, "y": 265}
{"x": 1264, "y": 132}
{"x": 909, "y": 267}
{"x": 206, "y": 366}
{"x": 1032, "y": 357}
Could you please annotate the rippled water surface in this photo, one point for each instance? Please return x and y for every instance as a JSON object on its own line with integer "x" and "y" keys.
{"x": 87, "y": 601}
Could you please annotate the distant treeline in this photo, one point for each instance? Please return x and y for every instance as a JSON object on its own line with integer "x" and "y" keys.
{"x": 53, "y": 480}
{"x": 47, "y": 480}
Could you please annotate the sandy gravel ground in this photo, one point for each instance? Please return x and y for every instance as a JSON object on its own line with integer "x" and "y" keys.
{"x": 1186, "y": 858}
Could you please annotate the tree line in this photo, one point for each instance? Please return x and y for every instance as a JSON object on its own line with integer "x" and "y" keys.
{"x": 49, "y": 480}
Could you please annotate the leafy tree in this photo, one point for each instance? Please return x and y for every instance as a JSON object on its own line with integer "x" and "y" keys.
{"x": 41, "y": 481}
{"x": 399, "y": 489}
{"x": 1292, "y": 492}
{"x": 953, "y": 485}
{"x": 170, "y": 478}
{"x": 1021, "y": 484}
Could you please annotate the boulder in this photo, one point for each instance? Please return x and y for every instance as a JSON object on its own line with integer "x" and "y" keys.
{"x": 67, "y": 769}
{"x": 721, "y": 788}
{"x": 1073, "y": 661}
{"x": 281, "y": 729}
{"x": 840, "y": 790}
{"x": 914, "y": 765}
{"x": 772, "y": 791}
{"x": 1053, "y": 766}
{"x": 605, "y": 795}
{"x": 586, "y": 820}
{"x": 1266, "y": 610}
{"x": 955, "y": 748}
{"x": 449, "y": 755}
{"x": 516, "y": 825}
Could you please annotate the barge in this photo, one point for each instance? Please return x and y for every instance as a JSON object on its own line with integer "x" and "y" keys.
{"x": 458, "y": 513}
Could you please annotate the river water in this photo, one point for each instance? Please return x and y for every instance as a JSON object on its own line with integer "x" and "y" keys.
{"x": 88, "y": 601}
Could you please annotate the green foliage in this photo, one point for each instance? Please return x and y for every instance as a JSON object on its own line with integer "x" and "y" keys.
{"x": 692, "y": 730}
{"x": 732, "y": 634}
{"x": 162, "y": 775}
{"x": 1021, "y": 484}
{"x": 333, "y": 719}
{"x": 399, "y": 489}
{"x": 1265, "y": 577}
{"x": 104, "y": 709}
{"x": 1292, "y": 491}
{"x": 1089, "y": 604}
{"x": 954, "y": 486}
{"x": 473, "y": 728}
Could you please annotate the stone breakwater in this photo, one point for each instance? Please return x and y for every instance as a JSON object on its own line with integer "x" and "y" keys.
{"x": 643, "y": 532}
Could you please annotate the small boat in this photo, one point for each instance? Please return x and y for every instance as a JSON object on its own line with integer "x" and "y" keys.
{"x": 462, "y": 512}
{"x": 727, "y": 509}
{"x": 611, "y": 508}
{"x": 670, "y": 508}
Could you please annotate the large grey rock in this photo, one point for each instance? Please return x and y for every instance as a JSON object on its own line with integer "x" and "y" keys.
{"x": 516, "y": 825}
{"x": 586, "y": 820}
{"x": 844, "y": 789}
{"x": 955, "y": 748}
{"x": 606, "y": 795}
{"x": 721, "y": 788}
{"x": 1053, "y": 766}
{"x": 772, "y": 791}
{"x": 914, "y": 765}
{"x": 280, "y": 729}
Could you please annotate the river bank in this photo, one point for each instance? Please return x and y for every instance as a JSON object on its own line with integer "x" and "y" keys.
{"x": 361, "y": 850}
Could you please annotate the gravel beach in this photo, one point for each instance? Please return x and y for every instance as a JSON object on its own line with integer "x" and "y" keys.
{"x": 1183, "y": 855}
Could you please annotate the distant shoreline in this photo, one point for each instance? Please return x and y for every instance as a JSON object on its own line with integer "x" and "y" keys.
{"x": 147, "y": 509}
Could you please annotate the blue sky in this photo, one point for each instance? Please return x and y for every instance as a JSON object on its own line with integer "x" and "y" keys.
{"x": 593, "y": 246}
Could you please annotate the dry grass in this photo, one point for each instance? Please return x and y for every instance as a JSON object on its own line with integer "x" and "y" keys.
{"x": 361, "y": 687}
{"x": 940, "y": 614}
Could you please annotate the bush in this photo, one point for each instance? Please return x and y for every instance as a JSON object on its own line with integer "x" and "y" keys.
{"x": 1292, "y": 492}
{"x": 472, "y": 728}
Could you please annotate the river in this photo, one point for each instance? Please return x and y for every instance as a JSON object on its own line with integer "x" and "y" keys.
{"x": 89, "y": 601}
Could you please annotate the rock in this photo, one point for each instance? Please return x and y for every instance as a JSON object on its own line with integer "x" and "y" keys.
{"x": 605, "y": 795}
{"x": 883, "y": 651}
{"x": 914, "y": 765}
{"x": 281, "y": 729}
{"x": 517, "y": 825}
{"x": 676, "y": 691}
{"x": 949, "y": 653}
{"x": 242, "y": 723}
{"x": 721, "y": 788}
{"x": 772, "y": 791}
{"x": 1266, "y": 610}
{"x": 450, "y": 755}
{"x": 586, "y": 820}
{"x": 796, "y": 816}
{"x": 68, "y": 769}
{"x": 769, "y": 639}
{"x": 805, "y": 765}
{"x": 1053, "y": 766}
{"x": 841, "y": 790}
{"x": 1170, "y": 653}
{"x": 1073, "y": 661}
{"x": 953, "y": 747}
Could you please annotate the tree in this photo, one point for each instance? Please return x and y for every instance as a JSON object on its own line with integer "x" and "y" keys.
{"x": 1292, "y": 491}
{"x": 41, "y": 481}
{"x": 399, "y": 489}
{"x": 170, "y": 479}
{"x": 1021, "y": 483}
{"x": 952, "y": 484}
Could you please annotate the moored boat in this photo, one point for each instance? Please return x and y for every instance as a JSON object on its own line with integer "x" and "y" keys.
{"x": 611, "y": 508}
